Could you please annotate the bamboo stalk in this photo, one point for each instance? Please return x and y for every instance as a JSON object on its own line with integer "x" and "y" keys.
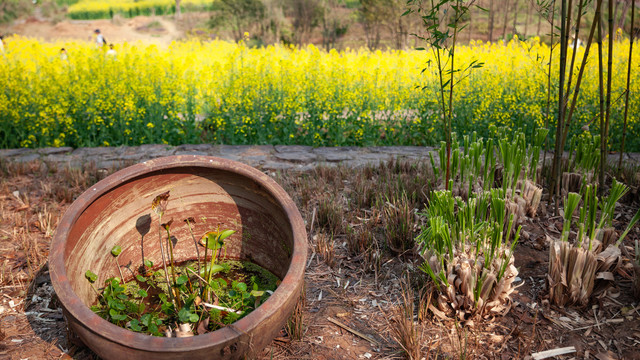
{"x": 575, "y": 48}
{"x": 451, "y": 83}
{"x": 601, "y": 89}
{"x": 626, "y": 99}
{"x": 546, "y": 121}
{"x": 609, "y": 81}
{"x": 583, "y": 65}
{"x": 557, "y": 156}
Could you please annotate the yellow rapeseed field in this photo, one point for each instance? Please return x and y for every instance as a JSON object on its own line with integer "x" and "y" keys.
{"x": 224, "y": 92}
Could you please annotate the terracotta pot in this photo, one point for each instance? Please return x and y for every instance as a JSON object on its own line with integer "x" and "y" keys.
{"x": 117, "y": 211}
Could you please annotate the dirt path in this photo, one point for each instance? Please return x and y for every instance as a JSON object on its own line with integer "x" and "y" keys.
{"x": 151, "y": 30}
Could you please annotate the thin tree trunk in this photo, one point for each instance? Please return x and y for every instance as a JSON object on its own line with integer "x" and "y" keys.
{"x": 585, "y": 57}
{"x": 557, "y": 156}
{"x": 609, "y": 74}
{"x": 470, "y": 24}
{"x": 548, "y": 114}
{"x": 401, "y": 33}
{"x": 540, "y": 25}
{"x": 515, "y": 15}
{"x": 526, "y": 25}
{"x": 504, "y": 22}
{"x": 623, "y": 16}
{"x": 451, "y": 84}
{"x": 626, "y": 95}
{"x": 615, "y": 12}
{"x": 491, "y": 20}
{"x": 575, "y": 50}
{"x": 601, "y": 89}
{"x": 446, "y": 129}
{"x": 565, "y": 24}
{"x": 178, "y": 12}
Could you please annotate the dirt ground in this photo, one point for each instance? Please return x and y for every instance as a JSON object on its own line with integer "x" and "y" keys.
{"x": 33, "y": 197}
{"x": 150, "y": 30}
{"x": 158, "y": 30}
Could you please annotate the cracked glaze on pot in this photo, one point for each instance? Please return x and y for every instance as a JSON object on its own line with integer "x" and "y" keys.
{"x": 214, "y": 191}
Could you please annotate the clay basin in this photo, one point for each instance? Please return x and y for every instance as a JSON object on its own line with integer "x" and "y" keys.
{"x": 117, "y": 211}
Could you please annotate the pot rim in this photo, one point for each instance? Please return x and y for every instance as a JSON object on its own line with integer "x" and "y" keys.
{"x": 289, "y": 286}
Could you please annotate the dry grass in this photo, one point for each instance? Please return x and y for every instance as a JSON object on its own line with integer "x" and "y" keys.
{"x": 295, "y": 323}
{"x": 404, "y": 329}
{"x": 369, "y": 209}
{"x": 325, "y": 247}
{"x": 330, "y": 215}
{"x": 400, "y": 223}
{"x": 33, "y": 197}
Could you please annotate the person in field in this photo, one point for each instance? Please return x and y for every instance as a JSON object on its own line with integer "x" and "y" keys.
{"x": 111, "y": 52}
{"x": 100, "y": 40}
{"x": 1, "y": 44}
{"x": 63, "y": 55}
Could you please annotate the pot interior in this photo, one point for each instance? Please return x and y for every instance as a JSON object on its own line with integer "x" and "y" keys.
{"x": 214, "y": 198}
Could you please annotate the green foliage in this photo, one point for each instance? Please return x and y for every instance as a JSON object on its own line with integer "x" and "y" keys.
{"x": 215, "y": 239}
{"x": 91, "y": 276}
{"x": 118, "y": 305}
{"x": 586, "y": 157}
{"x": 617, "y": 191}
{"x": 306, "y": 15}
{"x": 476, "y": 226}
{"x": 475, "y": 162}
{"x": 148, "y": 322}
{"x": 352, "y": 4}
{"x": 238, "y": 14}
{"x": 441, "y": 21}
{"x": 97, "y": 9}
{"x": 116, "y": 250}
{"x": 539, "y": 136}
{"x": 133, "y": 306}
{"x": 472, "y": 229}
{"x": 180, "y": 301}
{"x": 512, "y": 154}
{"x": 216, "y": 268}
{"x": 66, "y": 2}
{"x": 570, "y": 205}
{"x": 631, "y": 224}
{"x": 13, "y": 9}
{"x": 588, "y": 226}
